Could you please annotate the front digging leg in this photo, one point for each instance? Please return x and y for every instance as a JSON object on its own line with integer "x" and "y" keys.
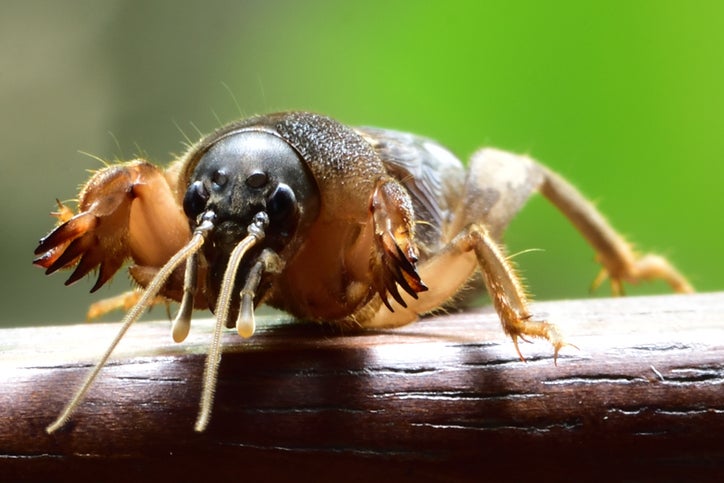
{"x": 126, "y": 211}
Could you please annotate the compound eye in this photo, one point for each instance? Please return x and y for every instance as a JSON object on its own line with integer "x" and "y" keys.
{"x": 282, "y": 203}
{"x": 219, "y": 179}
{"x": 195, "y": 200}
{"x": 257, "y": 179}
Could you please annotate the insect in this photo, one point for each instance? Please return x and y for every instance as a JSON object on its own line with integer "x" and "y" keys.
{"x": 358, "y": 226}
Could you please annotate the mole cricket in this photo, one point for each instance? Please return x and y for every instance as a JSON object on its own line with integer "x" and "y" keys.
{"x": 360, "y": 226}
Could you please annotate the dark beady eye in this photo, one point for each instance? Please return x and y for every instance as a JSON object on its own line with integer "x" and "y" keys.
{"x": 282, "y": 203}
{"x": 219, "y": 178}
{"x": 257, "y": 179}
{"x": 195, "y": 199}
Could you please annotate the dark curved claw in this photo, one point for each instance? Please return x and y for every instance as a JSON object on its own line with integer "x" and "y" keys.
{"x": 88, "y": 262}
{"x": 70, "y": 254}
{"x": 70, "y": 230}
{"x": 108, "y": 268}
{"x": 75, "y": 242}
{"x": 396, "y": 269}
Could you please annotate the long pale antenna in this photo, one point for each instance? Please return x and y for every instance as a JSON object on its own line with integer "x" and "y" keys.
{"x": 255, "y": 234}
{"x": 193, "y": 246}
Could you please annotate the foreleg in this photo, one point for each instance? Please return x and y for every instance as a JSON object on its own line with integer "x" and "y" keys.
{"x": 125, "y": 211}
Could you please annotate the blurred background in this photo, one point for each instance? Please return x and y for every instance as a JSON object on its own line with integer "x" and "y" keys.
{"x": 626, "y": 99}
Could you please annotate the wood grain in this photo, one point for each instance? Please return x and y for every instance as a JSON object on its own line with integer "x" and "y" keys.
{"x": 641, "y": 398}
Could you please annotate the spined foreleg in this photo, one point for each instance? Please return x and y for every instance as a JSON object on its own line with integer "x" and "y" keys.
{"x": 126, "y": 211}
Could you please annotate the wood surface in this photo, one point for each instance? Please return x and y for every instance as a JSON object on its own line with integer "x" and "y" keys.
{"x": 445, "y": 399}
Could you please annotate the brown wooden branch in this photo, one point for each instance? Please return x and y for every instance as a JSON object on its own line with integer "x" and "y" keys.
{"x": 447, "y": 398}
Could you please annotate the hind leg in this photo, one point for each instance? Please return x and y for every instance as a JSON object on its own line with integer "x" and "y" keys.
{"x": 499, "y": 183}
{"x": 620, "y": 262}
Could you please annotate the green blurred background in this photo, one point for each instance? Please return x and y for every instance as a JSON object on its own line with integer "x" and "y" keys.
{"x": 625, "y": 98}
